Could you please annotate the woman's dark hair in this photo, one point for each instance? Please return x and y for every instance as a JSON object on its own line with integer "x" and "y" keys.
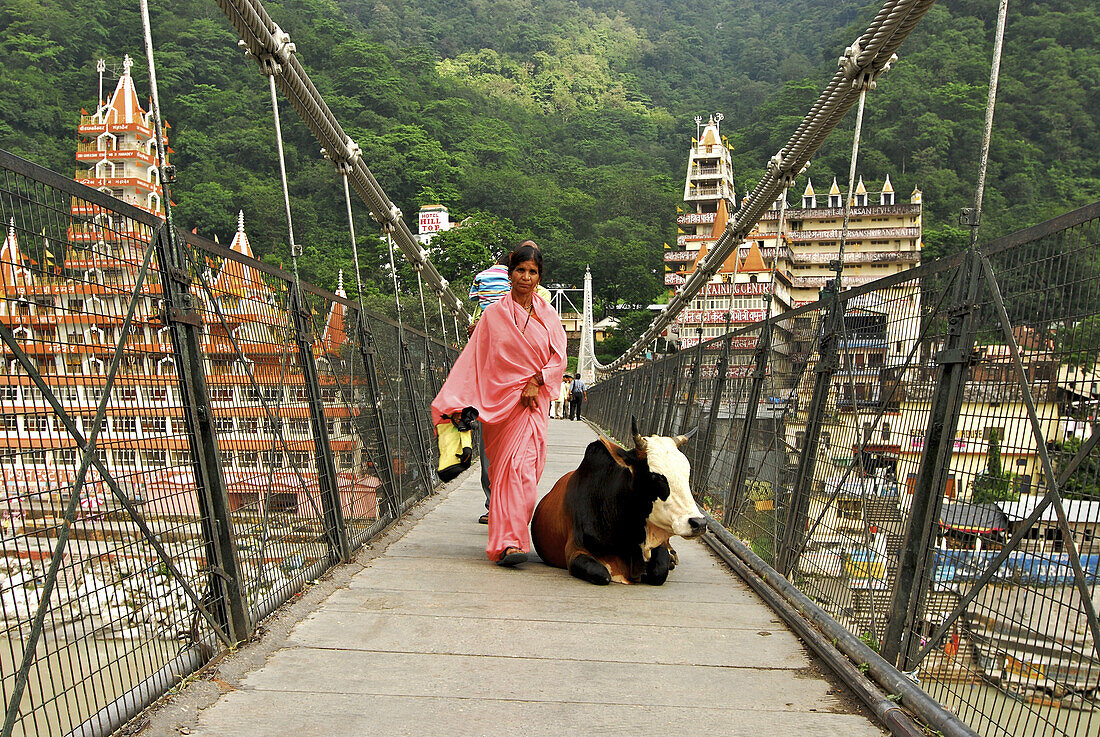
{"x": 525, "y": 253}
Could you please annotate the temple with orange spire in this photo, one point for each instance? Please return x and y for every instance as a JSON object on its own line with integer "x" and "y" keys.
{"x": 793, "y": 266}
{"x": 746, "y": 275}
{"x": 67, "y": 314}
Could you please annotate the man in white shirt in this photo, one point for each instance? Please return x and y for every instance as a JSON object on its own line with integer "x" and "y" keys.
{"x": 558, "y": 410}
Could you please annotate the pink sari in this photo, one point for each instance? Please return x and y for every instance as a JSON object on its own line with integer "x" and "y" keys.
{"x": 508, "y": 347}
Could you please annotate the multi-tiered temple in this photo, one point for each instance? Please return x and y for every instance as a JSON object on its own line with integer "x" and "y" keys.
{"x": 66, "y": 310}
{"x": 883, "y": 238}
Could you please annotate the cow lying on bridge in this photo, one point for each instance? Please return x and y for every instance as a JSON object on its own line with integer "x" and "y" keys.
{"x": 611, "y": 519}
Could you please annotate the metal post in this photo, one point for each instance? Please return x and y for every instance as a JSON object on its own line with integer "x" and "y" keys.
{"x": 417, "y": 419}
{"x": 694, "y": 388}
{"x": 672, "y": 403}
{"x": 382, "y": 465}
{"x": 327, "y": 481}
{"x": 707, "y": 446}
{"x": 799, "y": 504}
{"x": 224, "y": 579}
{"x": 935, "y": 465}
{"x": 656, "y": 380}
{"x": 744, "y": 441}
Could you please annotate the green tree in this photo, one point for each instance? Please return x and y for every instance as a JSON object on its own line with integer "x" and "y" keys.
{"x": 995, "y": 485}
{"x": 1084, "y": 482}
{"x": 1080, "y": 343}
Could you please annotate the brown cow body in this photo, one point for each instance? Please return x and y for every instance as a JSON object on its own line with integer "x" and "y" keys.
{"x": 601, "y": 521}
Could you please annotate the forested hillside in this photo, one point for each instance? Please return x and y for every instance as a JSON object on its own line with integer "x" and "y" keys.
{"x": 566, "y": 120}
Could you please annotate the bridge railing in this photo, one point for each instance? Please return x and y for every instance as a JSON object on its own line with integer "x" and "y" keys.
{"x": 187, "y": 442}
{"x": 917, "y": 456}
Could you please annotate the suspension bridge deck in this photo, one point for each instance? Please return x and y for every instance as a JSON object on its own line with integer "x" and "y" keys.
{"x": 430, "y": 638}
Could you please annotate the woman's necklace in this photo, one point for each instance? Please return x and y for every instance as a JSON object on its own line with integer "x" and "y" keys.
{"x": 530, "y": 311}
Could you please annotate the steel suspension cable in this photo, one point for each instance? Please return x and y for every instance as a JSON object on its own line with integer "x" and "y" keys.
{"x": 260, "y": 37}
{"x": 396, "y": 284}
{"x": 987, "y": 131}
{"x": 442, "y": 322}
{"x": 271, "y": 68}
{"x": 423, "y": 309}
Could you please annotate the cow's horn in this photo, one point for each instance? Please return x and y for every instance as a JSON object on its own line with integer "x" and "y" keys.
{"x": 681, "y": 439}
{"x": 639, "y": 441}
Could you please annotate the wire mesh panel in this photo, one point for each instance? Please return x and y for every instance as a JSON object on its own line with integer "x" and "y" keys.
{"x": 345, "y": 391}
{"x": 185, "y": 444}
{"x": 259, "y": 402}
{"x": 1010, "y": 596}
{"x": 921, "y": 462}
{"x": 869, "y": 450}
{"x": 104, "y": 556}
{"x": 403, "y": 409}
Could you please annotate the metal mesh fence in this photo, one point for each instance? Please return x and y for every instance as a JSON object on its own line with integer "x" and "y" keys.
{"x": 917, "y": 455}
{"x": 185, "y": 445}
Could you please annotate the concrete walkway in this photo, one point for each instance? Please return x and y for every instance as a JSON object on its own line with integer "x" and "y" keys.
{"x": 432, "y": 639}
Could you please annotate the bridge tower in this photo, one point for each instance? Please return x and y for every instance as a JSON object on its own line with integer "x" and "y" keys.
{"x": 586, "y": 360}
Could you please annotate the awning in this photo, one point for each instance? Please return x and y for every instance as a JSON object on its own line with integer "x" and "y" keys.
{"x": 973, "y": 518}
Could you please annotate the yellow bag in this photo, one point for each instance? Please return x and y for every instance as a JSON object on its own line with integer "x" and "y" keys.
{"x": 455, "y": 443}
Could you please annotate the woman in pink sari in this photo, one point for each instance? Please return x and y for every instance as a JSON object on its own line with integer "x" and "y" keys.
{"x": 509, "y": 372}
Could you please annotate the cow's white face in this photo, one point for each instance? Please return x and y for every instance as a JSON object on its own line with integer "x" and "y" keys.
{"x": 678, "y": 514}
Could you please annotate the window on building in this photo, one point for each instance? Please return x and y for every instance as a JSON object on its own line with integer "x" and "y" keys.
{"x": 124, "y": 425}
{"x": 867, "y": 433}
{"x": 154, "y": 458}
{"x": 154, "y": 425}
{"x": 885, "y": 430}
{"x": 221, "y": 394}
{"x": 10, "y": 423}
{"x": 849, "y": 509}
{"x": 224, "y": 424}
{"x": 125, "y": 457}
{"x": 36, "y": 423}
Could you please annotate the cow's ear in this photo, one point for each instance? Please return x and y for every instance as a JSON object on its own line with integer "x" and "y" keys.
{"x": 660, "y": 485}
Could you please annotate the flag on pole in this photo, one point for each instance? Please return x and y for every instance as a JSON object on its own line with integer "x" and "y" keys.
{"x": 48, "y": 258}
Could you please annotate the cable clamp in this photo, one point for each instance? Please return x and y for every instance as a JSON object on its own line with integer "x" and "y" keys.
{"x": 295, "y": 249}
{"x": 866, "y": 77}
{"x": 783, "y": 172}
{"x": 284, "y": 48}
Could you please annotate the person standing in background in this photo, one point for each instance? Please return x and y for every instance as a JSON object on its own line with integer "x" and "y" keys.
{"x": 562, "y": 398}
{"x": 578, "y": 392}
{"x": 488, "y": 287}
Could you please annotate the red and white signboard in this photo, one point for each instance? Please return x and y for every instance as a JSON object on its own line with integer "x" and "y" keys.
{"x": 434, "y": 221}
